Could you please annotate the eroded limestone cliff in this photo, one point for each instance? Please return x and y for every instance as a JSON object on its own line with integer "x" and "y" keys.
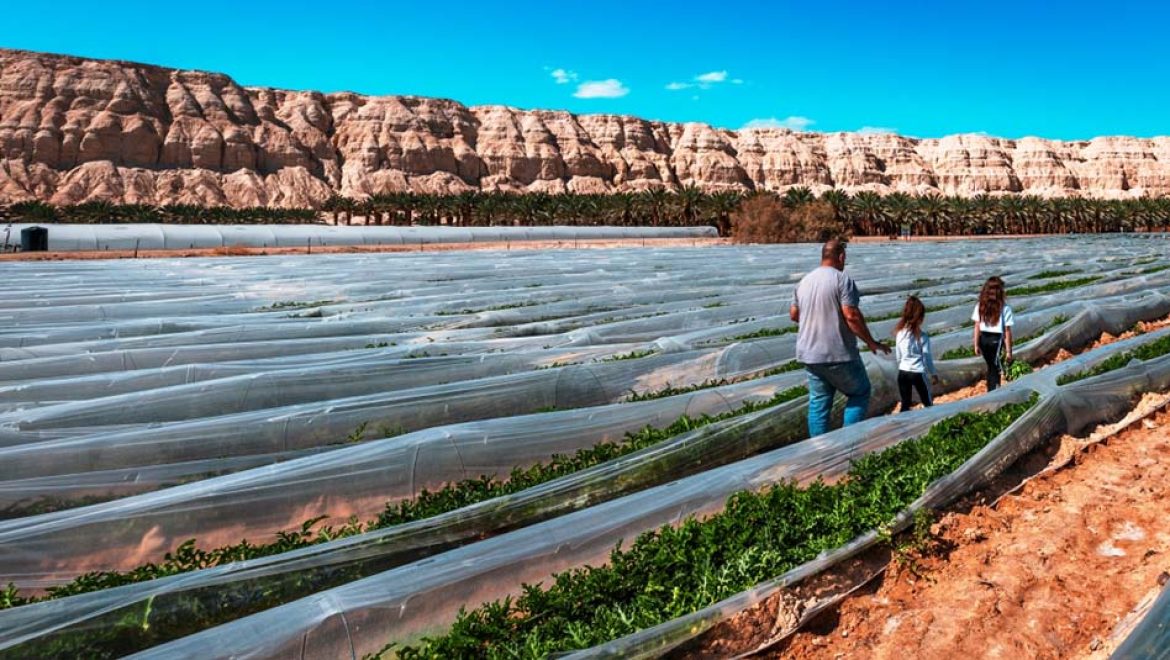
{"x": 75, "y": 130}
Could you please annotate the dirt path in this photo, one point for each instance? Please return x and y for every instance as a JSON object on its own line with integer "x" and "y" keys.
{"x": 1053, "y": 571}
{"x": 1047, "y": 573}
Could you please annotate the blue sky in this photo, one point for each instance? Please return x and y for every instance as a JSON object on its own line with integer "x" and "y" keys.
{"x": 1069, "y": 70}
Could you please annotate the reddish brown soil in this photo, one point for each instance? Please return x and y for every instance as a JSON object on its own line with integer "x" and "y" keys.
{"x": 1053, "y": 570}
{"x": 1047, "y": 573}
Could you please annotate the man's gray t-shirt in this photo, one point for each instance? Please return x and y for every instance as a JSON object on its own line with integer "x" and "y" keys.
{"x": 824, "y": 336}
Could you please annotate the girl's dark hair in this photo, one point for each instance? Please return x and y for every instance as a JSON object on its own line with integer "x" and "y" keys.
{"x": 913, "y": 313}
{"x": 991, "y": 300}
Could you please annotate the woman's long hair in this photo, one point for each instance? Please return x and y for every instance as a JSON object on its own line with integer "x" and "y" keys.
{"x": 991, "y": 301}
{"x": 913, "y": 313}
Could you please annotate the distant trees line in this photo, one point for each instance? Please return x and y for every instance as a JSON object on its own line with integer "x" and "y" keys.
{"x": 861, "y": 214}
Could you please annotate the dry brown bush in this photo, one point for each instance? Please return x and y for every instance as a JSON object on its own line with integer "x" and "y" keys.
{"x": 765, "y": 219}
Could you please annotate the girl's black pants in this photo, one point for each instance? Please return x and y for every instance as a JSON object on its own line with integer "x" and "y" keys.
{"x": 917, "y": 381}
{"x": 989, "y": 346}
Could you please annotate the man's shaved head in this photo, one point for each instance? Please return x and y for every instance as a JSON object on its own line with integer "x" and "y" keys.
{"x": 832, "y": 250}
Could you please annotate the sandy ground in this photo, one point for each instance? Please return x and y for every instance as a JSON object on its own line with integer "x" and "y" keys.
{"x": 1054, "y": 559}
{"x": 1049, "y": 572}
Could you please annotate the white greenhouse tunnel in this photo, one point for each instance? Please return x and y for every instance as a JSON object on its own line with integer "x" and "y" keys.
{"x": 69, "y": 238}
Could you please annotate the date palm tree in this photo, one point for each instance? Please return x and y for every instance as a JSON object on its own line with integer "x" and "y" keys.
{"x": 797, "y": 196}
{"x": 871, "y": 213}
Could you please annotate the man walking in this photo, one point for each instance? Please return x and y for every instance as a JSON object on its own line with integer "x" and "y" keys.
{"x": 825, "y": 305}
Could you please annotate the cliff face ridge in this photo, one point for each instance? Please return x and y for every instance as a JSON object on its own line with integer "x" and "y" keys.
{"x": 74, "y": 130}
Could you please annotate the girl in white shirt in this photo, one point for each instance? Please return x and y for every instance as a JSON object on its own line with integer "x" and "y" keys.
{"x": 912, "y": 350}
{"x": 993, "y": 329}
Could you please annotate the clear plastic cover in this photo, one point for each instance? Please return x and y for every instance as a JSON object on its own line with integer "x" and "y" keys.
{"x": 203, "y": 409}
{"x": 161, "y": 237}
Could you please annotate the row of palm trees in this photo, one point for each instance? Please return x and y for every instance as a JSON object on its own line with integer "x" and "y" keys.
{"x": 93, "y": 213}
{"x": 865, "y": 213}
{"x": 871, "y": 214}
{"x": 660, "y": 207}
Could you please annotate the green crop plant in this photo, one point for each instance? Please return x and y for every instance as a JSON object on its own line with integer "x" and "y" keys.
{"x": 673, "y": 571}
{"x": 1049, "y": 274}
{"x": 669, "y": 390}
{"x": 495, "y": 308}
{"x": 632, "y": 355}
{"x": 1052, "y": 286}
{"x": 1148, "y": 351}
{"x": 766, "y": 332}
{"x": 294, "y": 304}
{"x": 787, "y": 367}
{"x": 381, "y": 344}
{"x": 1017, "y": 369}
{"x": 958, "y": 353}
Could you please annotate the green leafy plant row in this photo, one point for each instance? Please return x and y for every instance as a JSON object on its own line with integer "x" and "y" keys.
{"x": 495, "y": 308}
{"x": 144, "y": 624}
{"x": 1049, "y": 274}
{"x": 1052, "y": 286}
{"x": 632, "y": 355}
{"x": 465, "y": 493}
{"x": 791, "y": 365}
{"x": 766, "y": 332}
{"x": 294, "y": 304}
{"x": 1148, "y": 351}
{"x": 190, "y": 557}
{"x": 672, "y": 571}
{"x": 670, "y": 390}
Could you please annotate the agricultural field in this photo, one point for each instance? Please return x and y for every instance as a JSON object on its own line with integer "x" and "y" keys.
{"x": 504, "y": 454}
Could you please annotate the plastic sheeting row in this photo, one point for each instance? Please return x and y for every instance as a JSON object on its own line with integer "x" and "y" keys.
{"x": 404, "y": 602}
{"x": 825, "y": 456}
{"x": 360, "y": 479}
{"x": 171, "y": 333}
{"x": 65, "y": 237}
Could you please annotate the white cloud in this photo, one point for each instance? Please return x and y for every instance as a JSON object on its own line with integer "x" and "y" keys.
{"x": 611, "y": 88}
{"x": 793, "y": 123}
{"x": 563, "y": 76}
{"x": 704, "y": 81}
{"x": 876, "y": 129}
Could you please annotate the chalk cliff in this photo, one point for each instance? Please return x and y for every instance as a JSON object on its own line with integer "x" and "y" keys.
{"x": 75, "y": 130}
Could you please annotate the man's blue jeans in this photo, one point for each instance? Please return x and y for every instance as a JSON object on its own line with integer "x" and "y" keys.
{"x": 825, "y": 380}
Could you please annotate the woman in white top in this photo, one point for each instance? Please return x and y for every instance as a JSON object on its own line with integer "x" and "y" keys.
{"x": 993, "y": 329}
{"x": 912, "y": 350}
